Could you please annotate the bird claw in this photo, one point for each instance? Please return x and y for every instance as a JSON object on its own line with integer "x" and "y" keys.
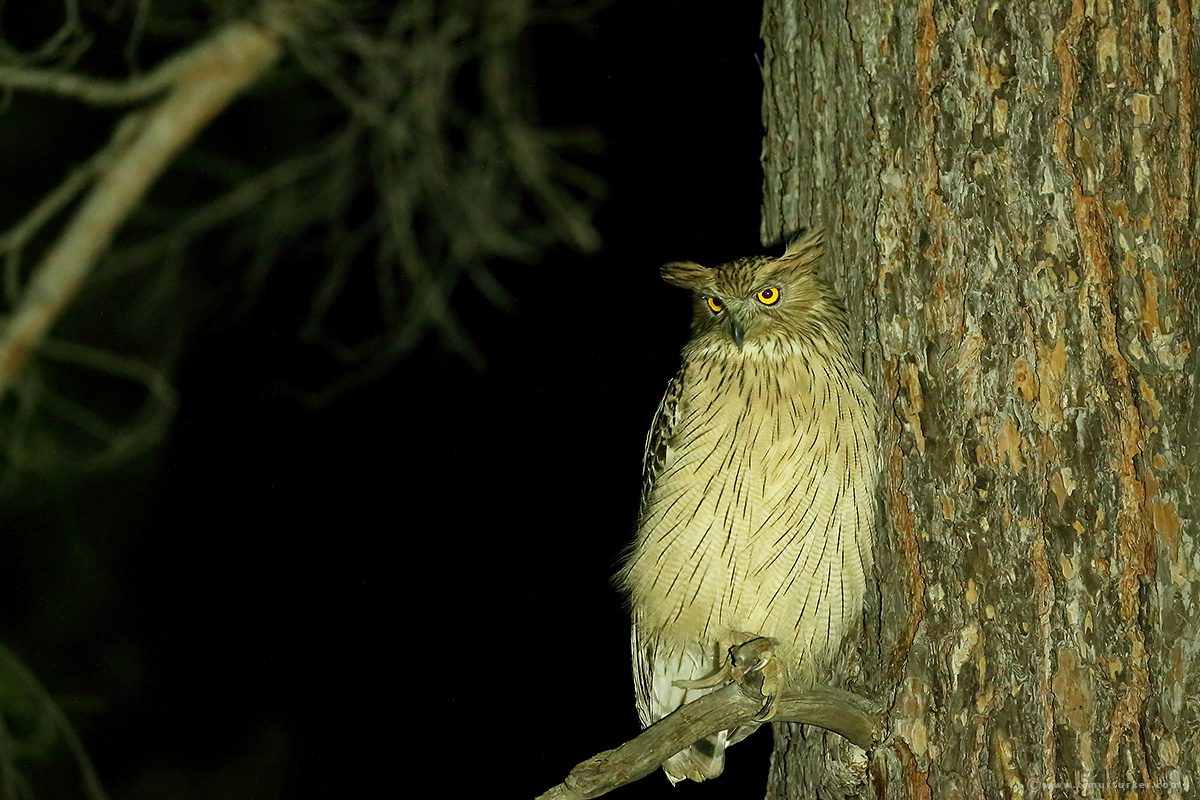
{"x": 752, "y": 663}
{"x": 772, "y": 684}
{"x": 765, "y": 713}
{"x": 723, "y": 675}
{"x": 755, "y": 663}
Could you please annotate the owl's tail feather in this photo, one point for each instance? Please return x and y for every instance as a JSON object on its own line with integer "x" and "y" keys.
{"x": 703, "y": 760}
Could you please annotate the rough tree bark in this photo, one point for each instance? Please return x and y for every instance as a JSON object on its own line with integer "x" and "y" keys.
{"x": 1010, "y": 194}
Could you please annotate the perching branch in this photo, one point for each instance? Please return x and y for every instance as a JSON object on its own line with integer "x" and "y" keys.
{"x": 204, "y": 80}
{"x": 844, "y": 713}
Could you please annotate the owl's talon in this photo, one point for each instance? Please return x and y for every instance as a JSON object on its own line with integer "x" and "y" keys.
{"x": 755, "y": 663}
{"x": 723, "y": 675}
{"x": 767, "y": 711}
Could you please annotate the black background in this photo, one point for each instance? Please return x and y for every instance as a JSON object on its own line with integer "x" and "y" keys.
{"x": 415, "y": 583}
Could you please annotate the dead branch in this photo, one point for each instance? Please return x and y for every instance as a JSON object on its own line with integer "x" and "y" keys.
{"x": 206, "y": 78}
{"x": 845, "y": 713}
{"x": 91, "y": 90}
{"x": 50, "y": 716}
{"x": 454, "y": 186}
{"x": 13, "y": 241}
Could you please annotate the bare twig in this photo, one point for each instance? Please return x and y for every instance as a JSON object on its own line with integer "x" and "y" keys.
{"x": 209, "y": 76}
{"x": 93, "y": 91}
{"x": 13, "y": 241}
{"x": 845, "y": 713}
{"x": 242, "y": 197}
{"x": 455, "y": 184}
{"x": 100, "y": 92}
{"x": 50, "y": 712}
{"x": 118, "y": 442}
{"x": 64, "y": 45}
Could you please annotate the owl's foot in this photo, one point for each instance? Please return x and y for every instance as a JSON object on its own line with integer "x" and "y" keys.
{"x": 724, "y": 674}
{"x": 756, "y": 661}
{"x": 752, "y": 662}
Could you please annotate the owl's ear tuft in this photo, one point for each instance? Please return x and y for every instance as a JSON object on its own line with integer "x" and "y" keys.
{"x": 801, "y": 256}
{"x": 805, "y": 250}
{"x": 687, "y": 275}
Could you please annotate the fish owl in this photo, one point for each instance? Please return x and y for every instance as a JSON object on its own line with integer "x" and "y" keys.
{"x": 758, "y": 510}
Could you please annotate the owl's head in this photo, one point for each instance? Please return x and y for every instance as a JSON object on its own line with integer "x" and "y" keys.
{"x": 757, "y": 304}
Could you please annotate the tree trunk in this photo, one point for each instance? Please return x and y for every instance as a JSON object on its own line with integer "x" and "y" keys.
{"x": 1009, "y": 194}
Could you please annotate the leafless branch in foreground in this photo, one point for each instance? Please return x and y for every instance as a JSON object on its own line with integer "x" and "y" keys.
{"x": 845, "y": 713}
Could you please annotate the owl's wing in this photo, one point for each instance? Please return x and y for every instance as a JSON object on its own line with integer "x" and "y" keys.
{"x": 658, "y": 439}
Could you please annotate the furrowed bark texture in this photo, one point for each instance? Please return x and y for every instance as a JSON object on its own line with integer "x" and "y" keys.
{"x": 1010, "y": 195}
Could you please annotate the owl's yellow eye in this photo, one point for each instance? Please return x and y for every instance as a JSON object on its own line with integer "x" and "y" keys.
{"x": 768, "y": 296}
{"x": 715, "y": 305}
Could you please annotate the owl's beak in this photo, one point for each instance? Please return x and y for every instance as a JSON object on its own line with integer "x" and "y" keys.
{"x": 737, "y": 331}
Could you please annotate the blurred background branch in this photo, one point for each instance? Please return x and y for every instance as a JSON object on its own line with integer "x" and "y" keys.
{"x": 31, "y": 727}
{"x": 203, "y": 82}
{"x": 379, "y": 160}
{"x": 408, "y": 159}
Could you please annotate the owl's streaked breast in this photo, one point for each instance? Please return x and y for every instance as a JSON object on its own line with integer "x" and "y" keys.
{"x": 757, "y": 522}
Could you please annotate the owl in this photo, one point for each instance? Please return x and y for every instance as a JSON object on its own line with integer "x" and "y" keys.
{"x": 758, "y": 512}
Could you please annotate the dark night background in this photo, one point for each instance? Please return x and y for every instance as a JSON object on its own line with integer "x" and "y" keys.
{"x": 415, "y": 582}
